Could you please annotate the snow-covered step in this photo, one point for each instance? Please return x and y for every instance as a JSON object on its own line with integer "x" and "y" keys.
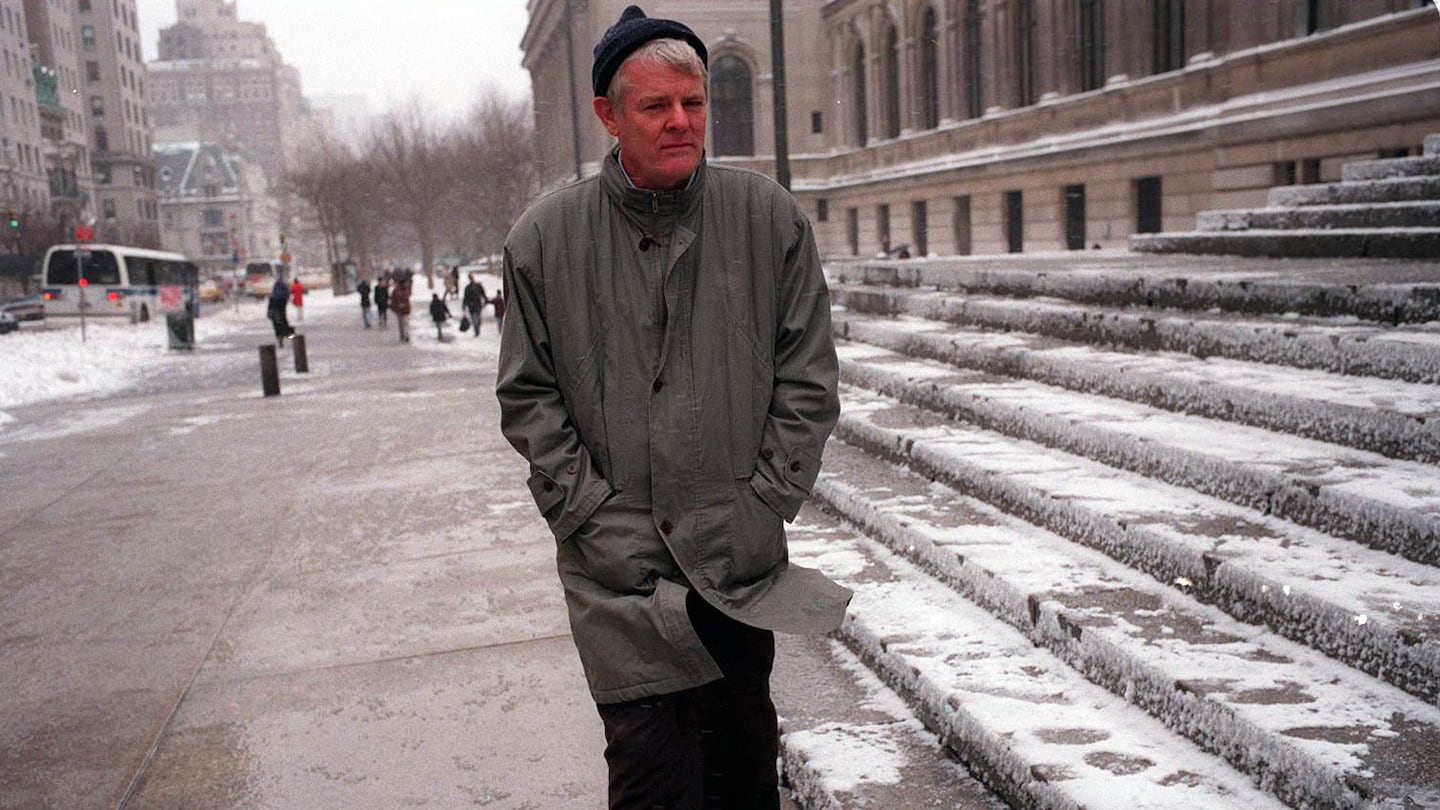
{"x": 1422, "y": 165}
{"x": 1391, "y": 417}
{"x": 1031, "y": 728}
{"x": 1336, "y": 345}
{"x": 1181, "y": 282}
{"x": 1432, "y": 144}
{"x": 847, "y": 740}
{"x": 1397, "y": 189}
{"x": 1371, "y": 610}
{"x": 1338, "y": 243}
{"x": 1415, "y": 214}
{"x": 1237, "y": 690}
{"x": 1389, "y": 504}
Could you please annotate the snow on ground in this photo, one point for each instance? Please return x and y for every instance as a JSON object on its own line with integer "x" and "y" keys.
{"x": 48, "y": 360}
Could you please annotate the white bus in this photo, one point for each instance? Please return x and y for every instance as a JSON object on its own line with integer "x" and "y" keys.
{"x": 113, "y": 280}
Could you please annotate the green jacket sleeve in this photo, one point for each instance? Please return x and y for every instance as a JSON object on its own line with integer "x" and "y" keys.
{"x": 564, "y": 483}
{"x": 805, "y": 400}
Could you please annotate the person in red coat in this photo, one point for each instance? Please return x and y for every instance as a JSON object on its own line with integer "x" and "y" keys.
{"x": 297, "y": 296}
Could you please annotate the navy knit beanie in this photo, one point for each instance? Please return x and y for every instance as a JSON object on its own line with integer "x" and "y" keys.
{"x": 632, "y": 30}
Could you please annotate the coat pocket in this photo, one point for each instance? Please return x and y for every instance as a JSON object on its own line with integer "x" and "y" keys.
{"x": 758, "y": 535}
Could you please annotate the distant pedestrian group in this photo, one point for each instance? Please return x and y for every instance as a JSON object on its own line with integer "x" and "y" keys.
{"x": 390, "y": 294}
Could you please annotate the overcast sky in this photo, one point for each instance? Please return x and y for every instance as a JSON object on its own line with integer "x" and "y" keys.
{"x": 443, "y": 50}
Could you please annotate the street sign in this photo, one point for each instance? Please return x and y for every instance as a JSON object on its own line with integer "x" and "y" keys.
{"x": 84, "y": 233}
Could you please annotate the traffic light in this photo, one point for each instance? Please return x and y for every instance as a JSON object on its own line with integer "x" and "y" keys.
{"x": 10, "y": 218}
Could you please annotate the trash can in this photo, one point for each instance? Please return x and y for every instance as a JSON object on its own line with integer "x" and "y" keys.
{"x": 181, "y": 327}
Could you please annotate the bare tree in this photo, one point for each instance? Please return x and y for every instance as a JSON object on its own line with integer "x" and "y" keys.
{"x": 414, "y": 158}
{"x": 496, "y": 166}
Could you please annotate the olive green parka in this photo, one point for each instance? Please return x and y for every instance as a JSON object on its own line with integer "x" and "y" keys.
{"x": 668, "y": 370}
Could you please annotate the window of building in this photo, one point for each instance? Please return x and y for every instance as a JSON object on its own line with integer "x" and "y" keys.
{"x": 1148, "y": 197}
{"x": 974, "y": 81}
{"x": 890, "y": 96}
{"x": 1025, "y": 92}
{"x": 960, "y": 225}
{"x": 107, "y": 208}
{"x": 102, "y": 140}
{"x": 1169, "y": 35}
{"x": 1074, "y": 217}
{"x": 852, "y": 230}
{"x": 214, "y": 218}
{"x": 817, "y": 123}
{"x": 1092, "y": 44}
{"x": 87, "y": 37}
{"x": 862, "y": 116}
{"x": 731, "y": 107}
{"x": 929, "y": 70}
{"x": 1282, "y": 173}
{"x": 84, "y": 5}
{"x": 882, "y": 226}
{"x": 92, "y": 71}
{"x": 822, "y": 210}
{"x": 1310, "y": 171}
{"x": 1014, "y": 222}
{"x": 920, "y": 227}
{"x": 1313, "y": 17}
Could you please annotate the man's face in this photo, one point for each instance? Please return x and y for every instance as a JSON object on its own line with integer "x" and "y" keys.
{"x": 660, "y": 123}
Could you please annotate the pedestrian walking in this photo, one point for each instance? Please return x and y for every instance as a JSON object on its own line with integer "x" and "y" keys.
{"x": 498, "y": 305}
{"x": 275, "y": 309}
{"x": 297, "y": 295}
{"x": 382, "y": 299}
{"x": 439, "y": 313}
{"x": 473, "y": 302}
{"x": 668, "y": 495}
{"x": 364, "y": 289}
{"x": 400, "y": 304}
{"x": 452, "y": 285}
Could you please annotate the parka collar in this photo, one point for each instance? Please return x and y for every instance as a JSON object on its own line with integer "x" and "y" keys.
{"x": 650, "y": 203}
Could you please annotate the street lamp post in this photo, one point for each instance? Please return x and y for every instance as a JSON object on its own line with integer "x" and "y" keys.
{"x": 777, "y": 59}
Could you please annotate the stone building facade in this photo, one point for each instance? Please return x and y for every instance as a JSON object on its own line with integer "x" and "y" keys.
{"x": 991, "y": 126}
{"x": 23, "y": 187}
{"x": 214, "y": 206}
{"x": 60, "y": 79}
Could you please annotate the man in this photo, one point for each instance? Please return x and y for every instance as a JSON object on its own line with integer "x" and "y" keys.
{"x": 473, "y": 302}
{"x": 669, "y": 373}
{"x": 399, "y": 303}
{"x": 275, "y": 310}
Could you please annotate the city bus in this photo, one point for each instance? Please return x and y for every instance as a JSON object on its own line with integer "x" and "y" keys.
{"x": 113, "y": 280}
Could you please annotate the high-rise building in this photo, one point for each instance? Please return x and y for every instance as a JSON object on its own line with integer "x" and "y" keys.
{"x": 117, "y": 113}
{"x": 59, "y": 84}
{"x": 220, "y": 79}
{"x": 24, "y": 190}
{"x": 992, "y": 126}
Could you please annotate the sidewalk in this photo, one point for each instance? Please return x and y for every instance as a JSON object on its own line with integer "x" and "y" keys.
{"x": 338, "y": 598}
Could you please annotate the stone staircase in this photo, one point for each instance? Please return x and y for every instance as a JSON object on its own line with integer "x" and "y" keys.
{"x": 1381, "y": 208}
{"x": 1125, "y": 536}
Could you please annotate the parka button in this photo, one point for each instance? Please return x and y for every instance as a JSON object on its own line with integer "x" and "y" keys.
{"x": 657, "y": 385}
{"x": 666, "y": 526}
{"x": 645, "y": 243}
{"x": 767, "y": 454}
{"x": 572, "y": 469}
{"x": 795, "y": 466}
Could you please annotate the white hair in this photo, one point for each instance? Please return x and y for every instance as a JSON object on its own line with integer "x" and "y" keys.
{"x": 667, "y": 51}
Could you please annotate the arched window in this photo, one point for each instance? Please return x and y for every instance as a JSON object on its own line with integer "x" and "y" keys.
{"x": 974, "y": 85}
{"x": 929, "y": 71}
{"x": 891, "y": 90}
{"x": 732, "y": 107}
{"x": 862, "y": 116}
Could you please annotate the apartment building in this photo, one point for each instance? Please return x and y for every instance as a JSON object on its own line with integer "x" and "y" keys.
{"x": 24, "y": 189}
{"x": 221, "y": 79}
{"x": 117, "y": 112}
{"x": 59, "y": 89}
{"x": 215, "y": 206}
{"x": 991, "y": 126}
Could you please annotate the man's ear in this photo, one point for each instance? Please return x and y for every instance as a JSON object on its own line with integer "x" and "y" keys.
{"x": 607, "y": 114}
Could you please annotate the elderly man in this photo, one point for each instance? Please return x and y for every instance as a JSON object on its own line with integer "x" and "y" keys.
{"x": 669, "y": 373}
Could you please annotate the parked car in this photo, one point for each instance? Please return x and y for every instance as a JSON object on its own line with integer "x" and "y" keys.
{"x": 8, "y": 323}
{"x": 29, "y": 308}
{"x": 210, "y": 291}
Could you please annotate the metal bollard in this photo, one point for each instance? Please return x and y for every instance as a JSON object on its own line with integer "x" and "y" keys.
{"x": 269, "y": 371}
{"x": 302, "y": 363}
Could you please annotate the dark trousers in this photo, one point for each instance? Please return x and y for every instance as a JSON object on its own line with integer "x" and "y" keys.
{"x": 711, "y": 747}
